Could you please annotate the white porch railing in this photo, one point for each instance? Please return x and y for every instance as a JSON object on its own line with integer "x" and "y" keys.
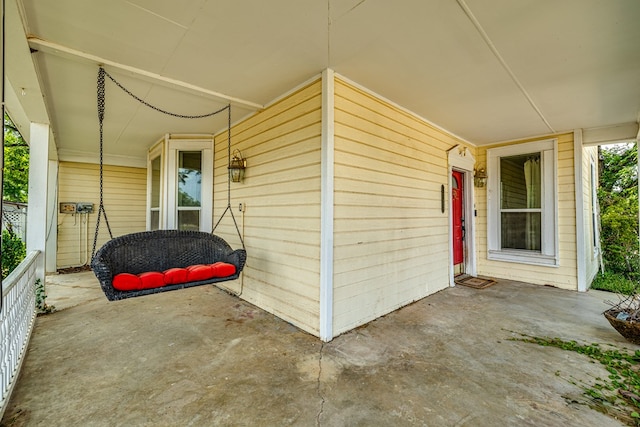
{"x": 16, "y": 323}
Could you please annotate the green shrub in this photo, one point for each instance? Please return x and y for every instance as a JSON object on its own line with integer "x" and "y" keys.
{"x": 614, "y": 282}
{"x": 13, "y": 252}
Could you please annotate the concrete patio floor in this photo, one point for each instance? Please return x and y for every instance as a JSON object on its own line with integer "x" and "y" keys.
{"x": 203, "y": 357}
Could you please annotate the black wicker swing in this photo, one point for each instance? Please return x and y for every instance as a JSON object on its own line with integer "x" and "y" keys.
{"x": 162, "y": 260}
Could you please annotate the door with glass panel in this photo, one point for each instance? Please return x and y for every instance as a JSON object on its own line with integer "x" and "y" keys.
{"x": 180, "y": 185}
{"x": 190, "y": 185}
{"x": 189, "y": 200}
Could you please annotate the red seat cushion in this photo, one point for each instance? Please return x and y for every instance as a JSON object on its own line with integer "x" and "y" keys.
{"x": 152, "y": 279}
{"x": 155, "y": 279}
{"x": 199, "y": 272}
{"x": 127, "y": 282}
{"x": 174, "y": 276}
{"x": 223, "y": 269}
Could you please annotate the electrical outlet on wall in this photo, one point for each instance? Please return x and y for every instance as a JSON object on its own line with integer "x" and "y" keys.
{"x": 67, "y": 208}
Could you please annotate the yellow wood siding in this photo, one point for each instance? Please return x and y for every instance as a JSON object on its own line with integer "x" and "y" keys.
{"x": 564, "y": 276}
{"x": 124, "y": 201}
{"x": 390, "y": 237}
{"x": 281, "y": 194}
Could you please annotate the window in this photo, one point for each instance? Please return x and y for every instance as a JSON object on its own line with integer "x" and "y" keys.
{"x": 180, "y": 184}
{"x": 155, "y": 193}
{"x": 522, "y": 200}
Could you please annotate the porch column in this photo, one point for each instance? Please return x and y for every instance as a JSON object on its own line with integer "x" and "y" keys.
{"x": 326, "y": 207}
{"x": 581, "y": 256}
{"x": 52, "y": 218}
{"x": 37, "y": 210}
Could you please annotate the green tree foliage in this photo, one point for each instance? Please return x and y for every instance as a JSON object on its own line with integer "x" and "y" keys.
{"x": 16, "y": 184}
{"x": 16, "y": 160}
{"x": 618, "y": 197}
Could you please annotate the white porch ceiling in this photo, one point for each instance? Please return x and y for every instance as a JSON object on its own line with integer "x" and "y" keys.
{"x": 485, "y": 70}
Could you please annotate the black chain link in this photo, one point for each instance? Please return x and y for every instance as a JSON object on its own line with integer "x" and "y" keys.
{"x": 228, "y": 208}
{"x": 101, "y": 210}
{"x": 153, "y": 107}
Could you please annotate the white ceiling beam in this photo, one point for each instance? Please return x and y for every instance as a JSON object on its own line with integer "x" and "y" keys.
{"x": 61, "y": 50}
{"x": 614, "y": 134}
{"x": 67, "y": 155}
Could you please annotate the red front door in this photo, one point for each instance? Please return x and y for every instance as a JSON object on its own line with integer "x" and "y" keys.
{"x": 458, "y": 217}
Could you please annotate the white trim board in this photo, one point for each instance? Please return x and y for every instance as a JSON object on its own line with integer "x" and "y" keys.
{"x": 326, "y": 207}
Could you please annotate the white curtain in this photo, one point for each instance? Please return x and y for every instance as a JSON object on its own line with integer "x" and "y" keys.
{"x": 532, "y": 181}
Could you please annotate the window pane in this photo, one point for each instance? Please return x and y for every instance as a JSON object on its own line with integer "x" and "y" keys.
{"x": 155, "y": 182}
{"x": 155, "y": 220}
{"x": 521, "y": 230}
{"x": 189, "y": 220}
{"x": 189, "y": 178}
{"x": 520, "y": 181}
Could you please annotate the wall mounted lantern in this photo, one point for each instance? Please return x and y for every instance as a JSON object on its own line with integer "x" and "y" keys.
{"x": 480, "y": 177}
{"x": 237, "y": 165}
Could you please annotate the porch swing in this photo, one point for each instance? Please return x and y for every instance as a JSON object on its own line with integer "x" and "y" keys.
{"x": 150, "y": 262}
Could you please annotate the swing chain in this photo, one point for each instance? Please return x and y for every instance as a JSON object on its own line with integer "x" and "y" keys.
{"x": 228, "y": 208}
{"x": 102, "y": 73}
{"x": 101, "y": 108}
{"x": 153, "y": 107}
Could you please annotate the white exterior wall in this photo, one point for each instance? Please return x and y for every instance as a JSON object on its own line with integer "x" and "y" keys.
{"x": 563, "y": 276}
{"x": 280, "y": 222}
{"x": 391, "y": 238}
{"x": 124, "y": 201}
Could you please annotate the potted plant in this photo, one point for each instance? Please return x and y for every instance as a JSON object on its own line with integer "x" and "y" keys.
{"x": 624, "y": 316}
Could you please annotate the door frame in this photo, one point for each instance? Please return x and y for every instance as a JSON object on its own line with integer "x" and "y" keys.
{"x": 459, "y": 178}
{"x": 461, "y": 160}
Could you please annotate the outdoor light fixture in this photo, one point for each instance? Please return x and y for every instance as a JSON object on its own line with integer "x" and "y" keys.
{"x": 237, "y": 166}
{"x": 480, "y": 177}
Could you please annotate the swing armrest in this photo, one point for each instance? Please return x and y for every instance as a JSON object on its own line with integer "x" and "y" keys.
{"x": 104, "y": 274}
{"x": 237, "y": 258}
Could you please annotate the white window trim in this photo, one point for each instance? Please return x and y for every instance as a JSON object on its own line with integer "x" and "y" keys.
{"x": 593, "y": 184}
{"x": 549, "y": 254}
{"x": 154, "y": 152}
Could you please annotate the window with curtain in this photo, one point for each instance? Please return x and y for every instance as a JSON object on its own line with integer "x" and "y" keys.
{"x": 521, "y": 203}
